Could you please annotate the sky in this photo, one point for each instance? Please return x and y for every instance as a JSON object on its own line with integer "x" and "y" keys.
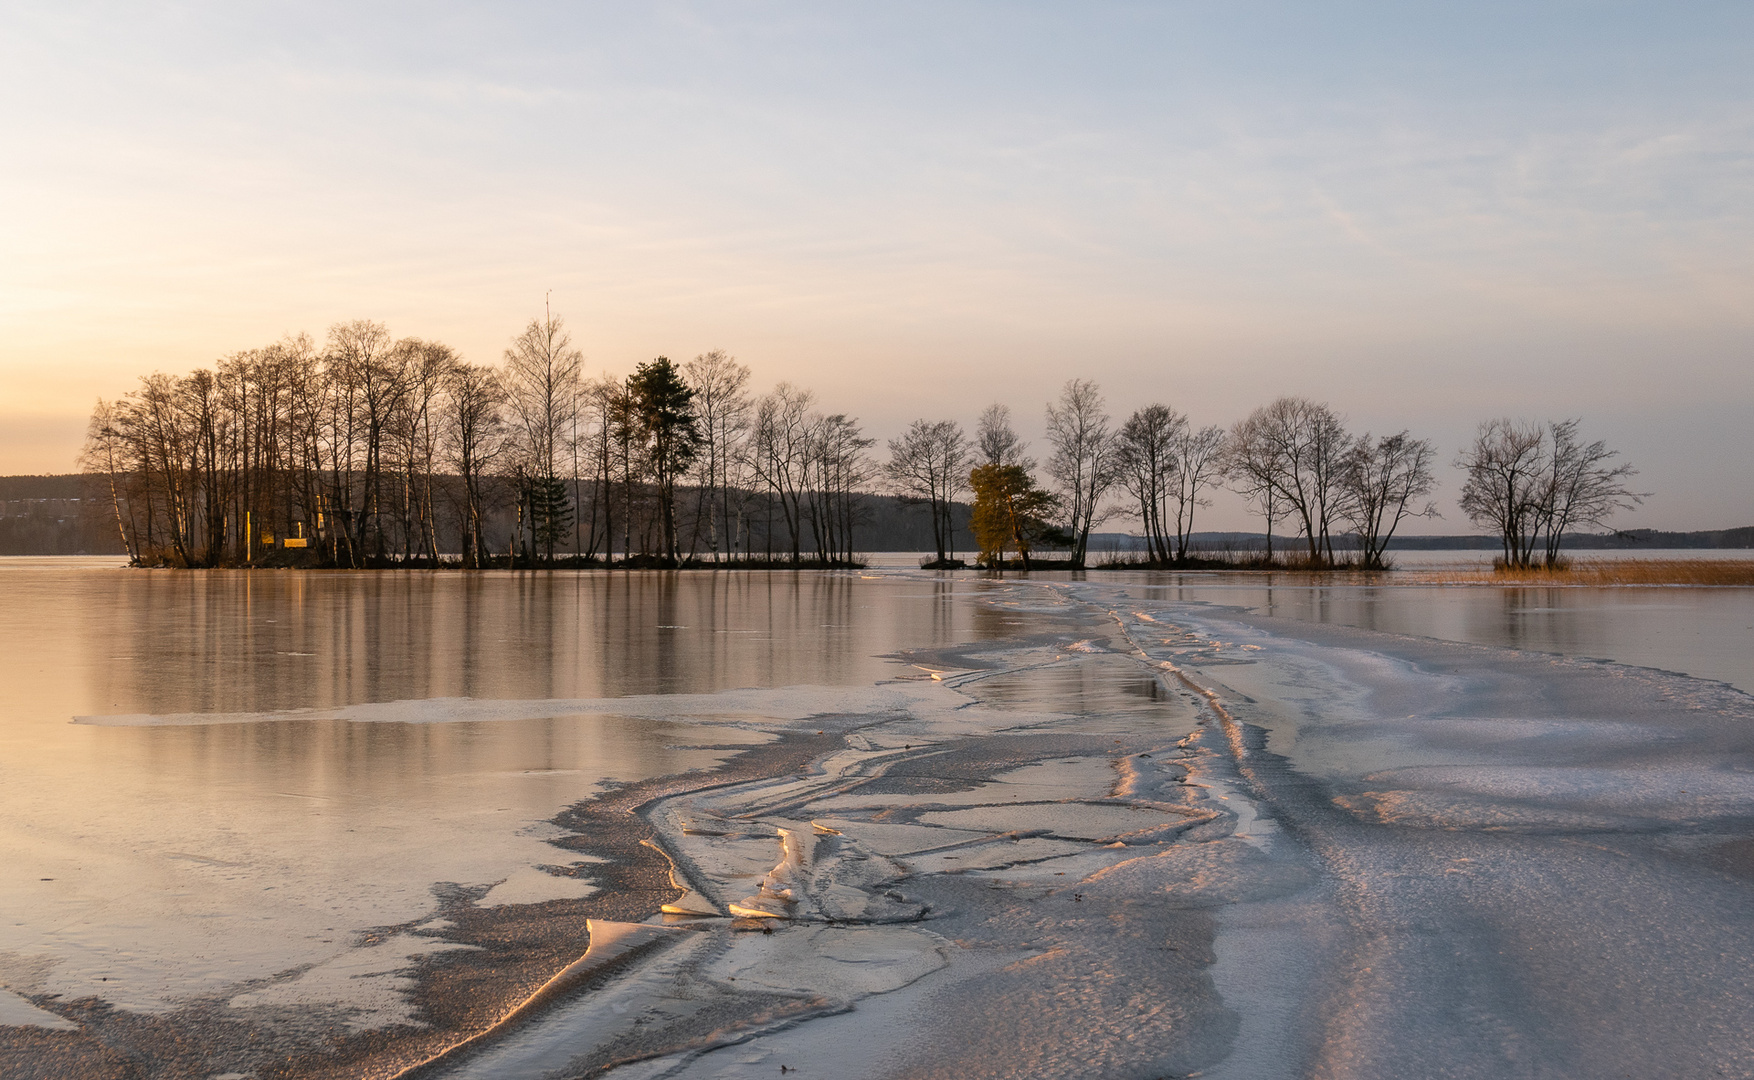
{"x": 1423, "y": 214}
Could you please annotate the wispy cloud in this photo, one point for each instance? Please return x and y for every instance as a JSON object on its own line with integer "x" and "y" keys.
{"x": 1211, "y": 202}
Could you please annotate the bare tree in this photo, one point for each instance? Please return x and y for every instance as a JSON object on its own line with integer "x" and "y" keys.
{"x": 245, "y": 387}
{"x": 474, "y": 440}
{"x": 106, "y": 455}
{"x": 168, "y": 452}
{"x": 928, "y": 464}
{"x": 627, "y": 467}
{"x": 200, "y": 408}
{"x": 1506, "y": 467}
{"x": 1533, "y": 483}
{"x": 742, "y": 490}
{"x": 308, "y": 390}
{"x": 426, "y": 365}
{"x": 1289, "y": 456}
{"x": 1381, "y": 484}
{"x": 1146, "y": 463}
{"x": 996, "y": 443}
{"x": 722, "y": 404}
{"x": 1083, "y": 463}
{"x": 602, "y": 404}
{"x": 1583, "y": 486}
{"x": 782, "y": 454}
{"x": 837, "y": 470}
{"x": 542, "y": 374}
{"x": 374, "y": 384}
{"x": 1199, "y": 468}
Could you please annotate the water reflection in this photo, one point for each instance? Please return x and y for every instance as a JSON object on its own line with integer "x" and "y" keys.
{"x": 150, "y": 863}
{"x": 1708, "y": 632}
{"x": 217, "y": 642}
{"x": 208, "y": 854}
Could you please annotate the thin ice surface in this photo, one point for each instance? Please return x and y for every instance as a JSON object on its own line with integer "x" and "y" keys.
{"x": 1109, "y": 835}
{"x": 281, "y": 799}
{"x": 1359, "y": 855}
{"x": 967, "y": 860}
{"x": 1534, "y": 866}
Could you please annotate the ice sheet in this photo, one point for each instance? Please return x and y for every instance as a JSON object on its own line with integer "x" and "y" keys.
{"x": 1522, "y": 848}
{"x": 1394, "y": 840}
{"x": 811, "y": 893}
{"x": 1105, "y": 834}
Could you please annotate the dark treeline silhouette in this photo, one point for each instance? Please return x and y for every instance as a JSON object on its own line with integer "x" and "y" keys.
{"x": 369, "y": 450}
{"x": 50, "y": 515}
{"x": 79, "y": 520}
{"x": 1293, "y": 460}
{"x": 1533, "y": 483}
{"x": 1341, "y": 494}
{"x": 70, "y": 514}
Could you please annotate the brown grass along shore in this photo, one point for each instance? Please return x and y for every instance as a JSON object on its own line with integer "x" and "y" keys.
{"x": 1731, "y": 573}
{"x": 1599, "y": 572}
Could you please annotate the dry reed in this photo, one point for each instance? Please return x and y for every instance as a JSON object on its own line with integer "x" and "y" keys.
{"x": 1721, "y": 572}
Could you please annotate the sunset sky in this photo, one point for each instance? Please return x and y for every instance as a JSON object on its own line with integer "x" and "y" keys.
{"x": 1423, "y": 214}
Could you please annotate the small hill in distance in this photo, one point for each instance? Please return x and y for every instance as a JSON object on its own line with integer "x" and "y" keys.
{"x": 70, "y": 514}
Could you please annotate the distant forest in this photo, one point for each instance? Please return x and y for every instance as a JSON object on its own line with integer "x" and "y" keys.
{"x": 70, "y": 514}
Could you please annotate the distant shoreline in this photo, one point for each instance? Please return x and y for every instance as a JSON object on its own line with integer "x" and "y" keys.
{"x": 1669, "y": 569}
{"x": 42, "y": 515}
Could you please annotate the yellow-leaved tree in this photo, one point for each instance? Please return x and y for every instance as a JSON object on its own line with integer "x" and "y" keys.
{"x": 1010, "y": 511}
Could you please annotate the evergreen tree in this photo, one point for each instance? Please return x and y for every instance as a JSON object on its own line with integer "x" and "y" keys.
{"x": 664, "y": 405}
{"x": 551, "y": 512}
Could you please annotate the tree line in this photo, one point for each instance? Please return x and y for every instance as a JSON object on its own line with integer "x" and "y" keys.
{"x": 367, "y": 449}
{"x": 359, "y": 449}
{"x": 1293, "y": 460}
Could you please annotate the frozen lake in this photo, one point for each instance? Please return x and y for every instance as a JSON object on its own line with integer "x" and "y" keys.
{"x": 1177, "y": 822}
{"x": 1706, "y": 632}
